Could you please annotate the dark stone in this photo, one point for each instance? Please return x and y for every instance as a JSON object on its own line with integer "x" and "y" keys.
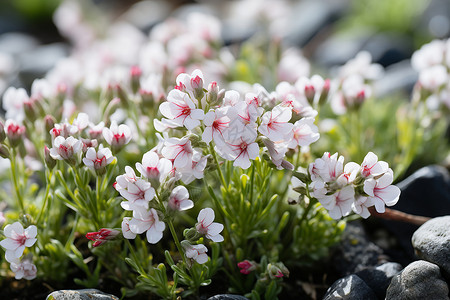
{"x": 432, "y": 242}
{"x": 425, "y": 193}
{"x": 419, "y": 280}
{"x": 351, "y": 287}
{"x": 227, "y": 297}
{"x": 355, "y": 252}
{"x": 389, "y": 48}
{"x": 86, "y": 294}
{"x": 379, "y": 278}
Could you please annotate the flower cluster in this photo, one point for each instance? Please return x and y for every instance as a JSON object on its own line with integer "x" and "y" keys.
{"x": 432, "y": 61}
{"x": 342, "y": 189}
{"x": 17, "y": 239}
{"x": 234, "y": 126}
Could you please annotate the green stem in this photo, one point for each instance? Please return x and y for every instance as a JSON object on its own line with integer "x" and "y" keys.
{"x": 135, "y": 258}
{"x": 16, "y": 184}
{"x": 47, "y": 192}
{"x": 219, "y": 170}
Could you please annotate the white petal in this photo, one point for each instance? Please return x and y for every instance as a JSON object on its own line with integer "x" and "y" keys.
{"x": 153, "y": 235}
{"x": 206, "y": 216}
{"x": 215, "y": 228}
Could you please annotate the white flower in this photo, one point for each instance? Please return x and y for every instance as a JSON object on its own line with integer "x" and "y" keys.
{"x": 97, "y": 160}
{"x": 340, "y": 203}
{"x": 23, "y": 269}
{"x": 65, "y": 148}
{"x": 138, "y": 193}
{"x": 361, "y": 205}
{"x": 195, "y": 170}
{"x": 216, "y": 123}
{"x": 147, "y": 220}
{"x": 123, "y": 180}
{"x": 328, "y": 167}
{"x": 240, "y": 150}
{"x": 197, "y": 253}
{"x": 429, "y": 55}
{"x": 126, "y": 232}
{"x": 180, "y": 109}
{"x": 179, "y": 199}
{"x": 81, "y": 122}
{"x": 154, "y": 167}
{"x": 372, "y": 167}
{"x": 17, "y": 239}
{"x": 178, "y": 150}
{"x": 117, "y": 136}
{"x": 13, "y": 101}
{"x": 434, "y": 77}
{"x": 381, "y": 192}
{"x": 206, "y": 226}
{"x": 275, "y": 124}
{"x": 304, "y": 133}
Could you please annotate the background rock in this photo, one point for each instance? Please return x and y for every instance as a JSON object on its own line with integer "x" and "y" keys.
{"x": 86, "y": 294}
{"x": 351, "y": 287}
{"x": 419, "y": 280}
{"x": 379, "y": 278}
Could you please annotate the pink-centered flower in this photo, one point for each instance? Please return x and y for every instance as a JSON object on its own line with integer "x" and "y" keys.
{"x": 138, "y": 193}
{"x": 147, "y": 220}
{"x": 65, "y": 148}
{"x": 102, "y": 236}
{"x": 207, "y": 227}
{"x": 17, "y": 238}
{"x": 216, "y": 123}
{"x": 178, "y": 150}
{"x": 98, "y": 160}
{"x": 275, "y": 124}
{"x": 195, "y": 170}
{"x": 304, "y": 133}
{"x": 381, "y": 192}
{"x": 180, "y": 109}
{"x": 179, "y": 199}
{"x": 126, "y": 231}
{"x": 154, "y": 167}
{"x": 197, "y": 253}
{"x": 340, "y": 203}
{"x": 117, "y": 136}
{"x": 23, "y": 269}
{"x": 328, "y": 167}
{"x": 241, "y": 150}
{"x": 372, "y": 167}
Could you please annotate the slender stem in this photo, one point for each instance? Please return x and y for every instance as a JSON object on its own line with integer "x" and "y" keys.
{"x": 14, "y": 178}
{"x": 72, "y": 233}
{"x": 395, "y": 215}
{"x": 135, "y": 258}
{"x": 219, "y": 170}
{"x": 175, "y": 238}
{"x": 252, "y": 182}
{"x": 47, "y": 192}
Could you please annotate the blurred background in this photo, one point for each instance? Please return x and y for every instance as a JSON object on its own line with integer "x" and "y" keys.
{"x": 329, "y": 32}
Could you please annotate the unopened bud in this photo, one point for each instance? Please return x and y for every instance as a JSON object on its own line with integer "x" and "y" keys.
{"x": 135, "y": 74}
{"x": 29, "y": 110}
{"x": 4, "y": 152}
{"x": 191, "y": 234}
{"x": 196, "y": 141}
{"x": 125, "y": 100}
{"x": 49, "y": 122}
{"x": 49, "y": 161}
{"x": 211, "y": 95}
{"x": 197, "y": 86}
{"x": 325, "y": 91}
{"x": 14, "y": 132}
{"x": 2, "y": 132}
{"x": 310, "y": 92}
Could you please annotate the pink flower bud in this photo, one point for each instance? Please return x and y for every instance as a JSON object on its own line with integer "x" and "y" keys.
{"x": 102, "y": 236}
{"x": 49, "y": 161}
{"x": 14, "y": 132}
{"x": 246, "y": 267}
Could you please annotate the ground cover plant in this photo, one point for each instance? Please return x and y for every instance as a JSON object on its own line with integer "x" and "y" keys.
{"x": 165, "y": 161}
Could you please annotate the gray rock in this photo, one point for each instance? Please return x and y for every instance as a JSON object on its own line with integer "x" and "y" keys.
{"x": 419, "y": 280}
{"x": 351, "y": 287}
{"x": 378, "y": 278}
{"x": 227, "y": 297}
{"x": 86, "y": 294}
{"x": 432, "y": 242}
{"x": 355, "y": 252}
{"x": 145, "y": 14}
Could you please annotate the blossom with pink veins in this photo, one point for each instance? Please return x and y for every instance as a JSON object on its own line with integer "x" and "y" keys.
{"x": 147, "y": 220}
{"x": 231, "y": 98}
{"x": 381, "y": 192}
{"x": 17, "y": 238}
{"x": 195, "y": 170}
{"x": 178, "y": 150}
{"x": 179, "y": 199}
{"x": 123, "y": 180}
{"x": 96, "y": 131}
{"x": 63, "y": 129}
{"x": 327, "y": 168}
{"x": 126, "y": 232}
{"x": 23, "y": 269}
{"x": 275, "y": 124}
{"x": 154, "y": 167}
{"x": 117, "y": 135}
{"x": 340, "y": 203}
{"x": 197, "y": 253}
{"x": 97, "y": 160}
{"x": 304, "y": 133}
{"x": 372, "y": 167}
{"x": 138, "y": 194}
{"x": 181, "y": 110}
{"x": 351, "y": 170}
{"x": 241, "y": 150}
{"x": 216, "y": 123}
{"x": 65, "y": 148}
{"x": 207, "y": 227}
{"x": 361, "y": 205}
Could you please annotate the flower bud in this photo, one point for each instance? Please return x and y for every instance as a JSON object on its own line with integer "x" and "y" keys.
{"x": 14, "y": 132}
{"x": 310, "y": 92}
{"x": 2, "y": 132}
{"x": 102, "y": 236}
{"x": 325, "y": 91}
{"x": 135, "y": 74}
{"x": 49, "y": 122}
{"x": 125, "y": 101}
{"x": 277, "y": 270}
{"x": 49, "y": 161}
{"x": 191, "y": 234}
{"x": 29, "y": 110}
{"x": 197, "y": 86}
{"x": 4, "y": 152}
{"x": 246, "y": 266}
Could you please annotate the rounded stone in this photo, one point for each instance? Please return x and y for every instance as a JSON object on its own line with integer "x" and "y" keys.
{"x": 351, "y": 287}
{"x": 419, "y": 280}
{"x": 227, "y": 297}
{"x": 431, "y": 242}
{"x": 85, "y": 294}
